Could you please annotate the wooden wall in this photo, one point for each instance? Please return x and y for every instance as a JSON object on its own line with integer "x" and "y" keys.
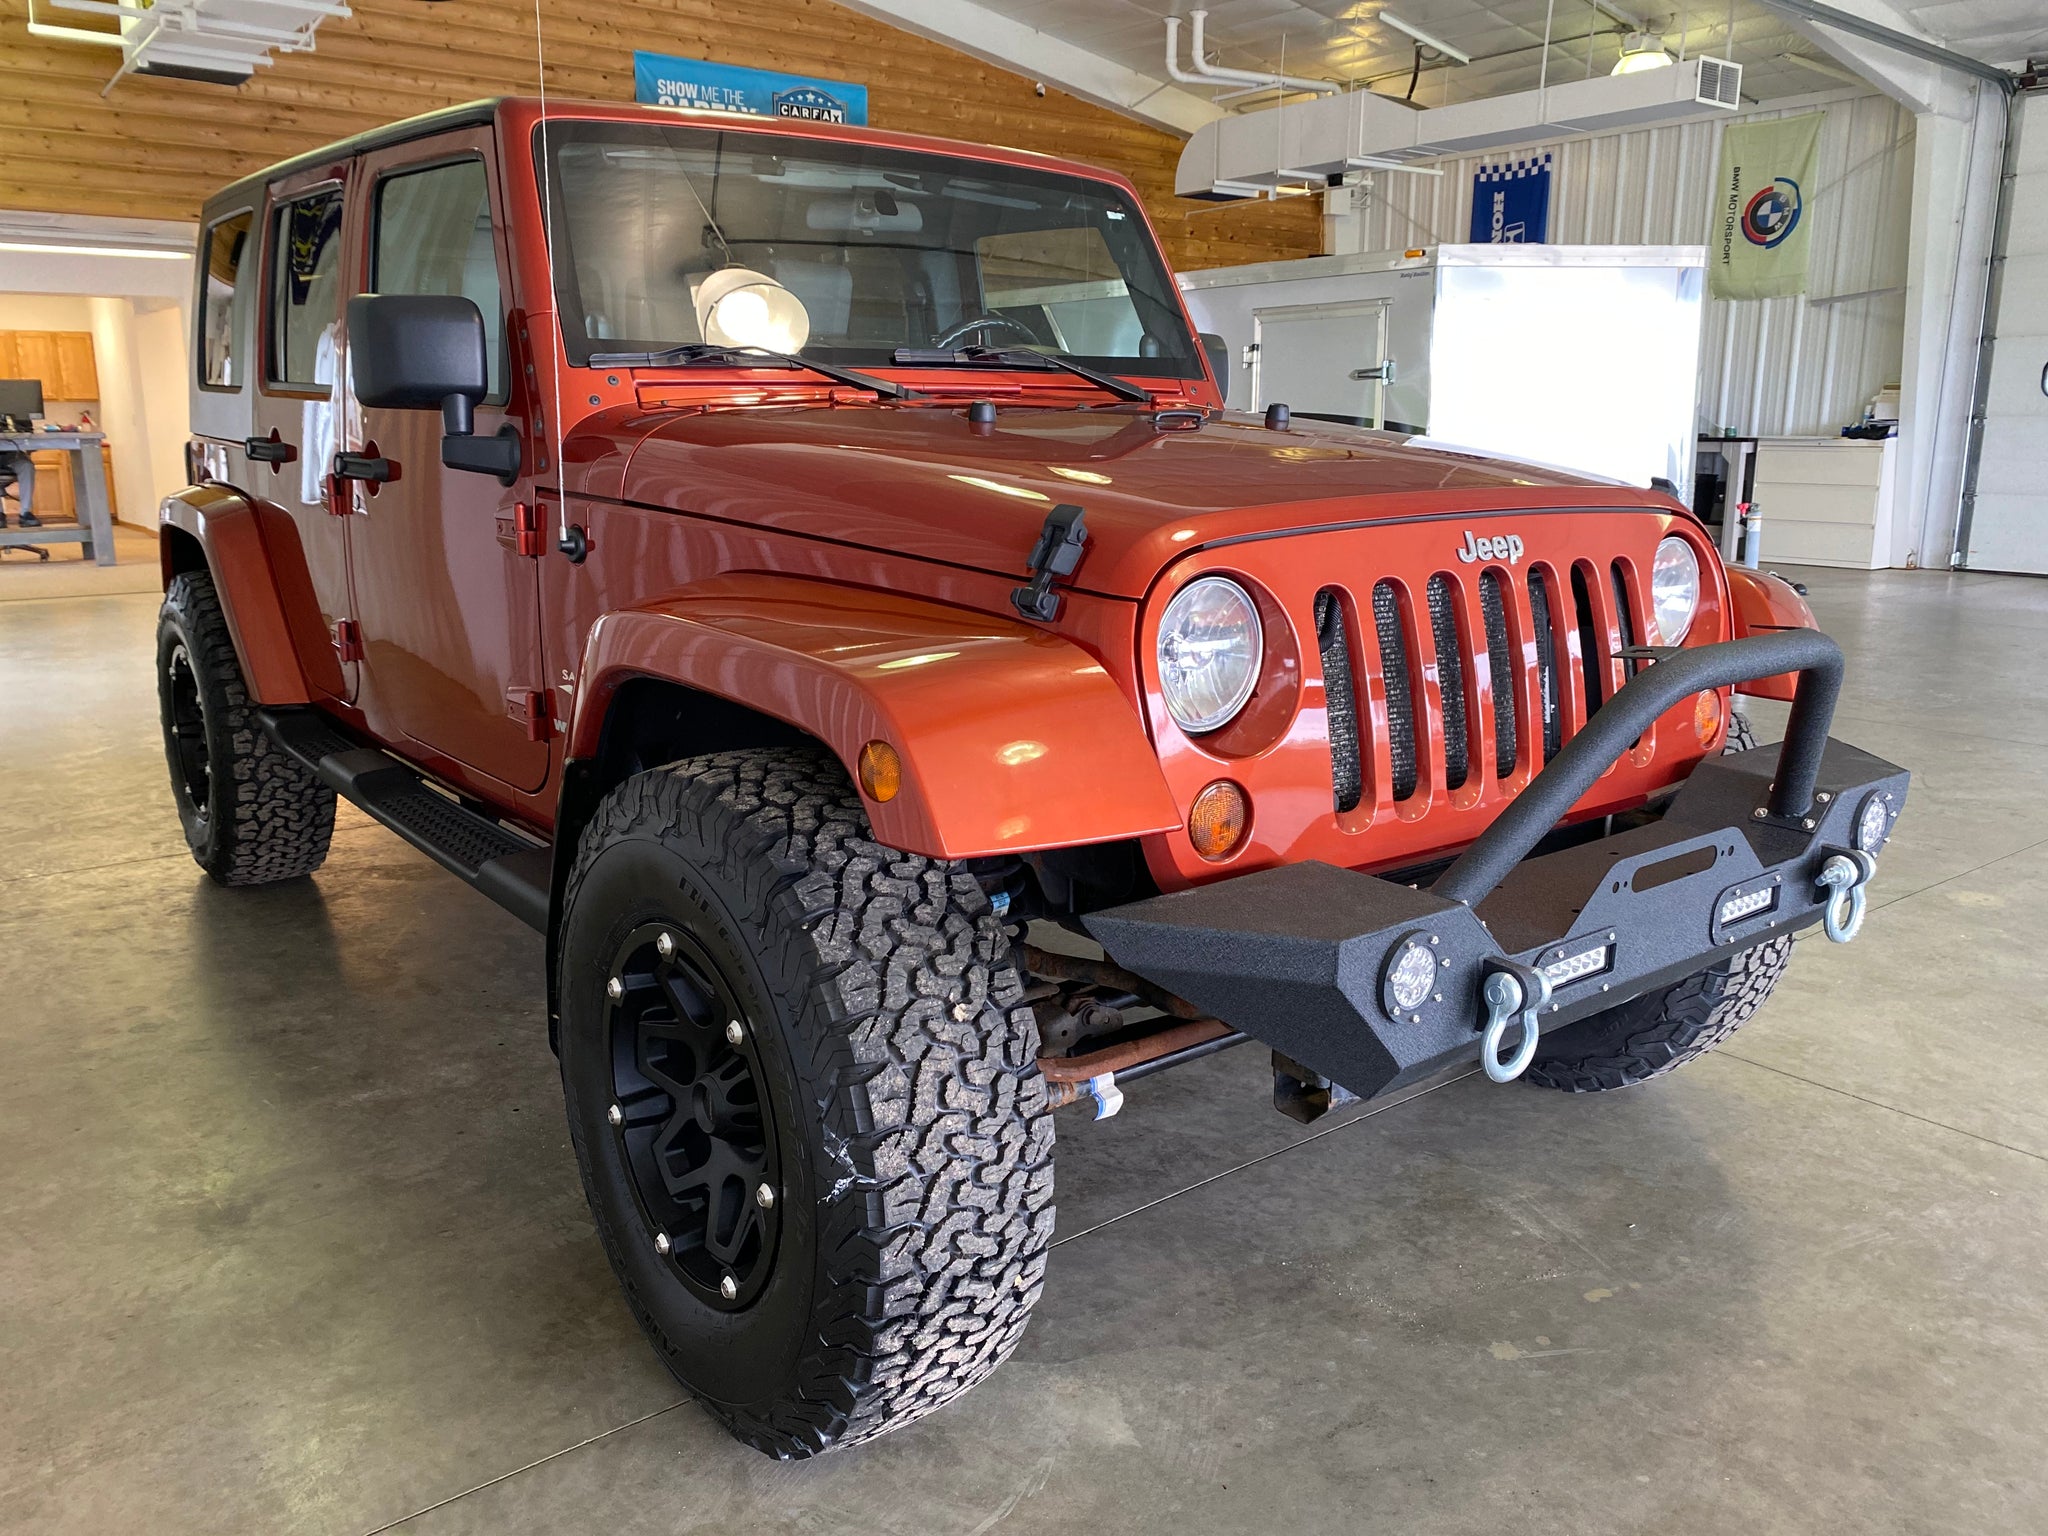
{"x": 155, "y": 148}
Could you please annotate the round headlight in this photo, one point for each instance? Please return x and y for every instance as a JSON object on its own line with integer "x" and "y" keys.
{"x": 1210, "y": 647}
{"x": 1674, "y": 590}
{"x": 1873, "y": 824}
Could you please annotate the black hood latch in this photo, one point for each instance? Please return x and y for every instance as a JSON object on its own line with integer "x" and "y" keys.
{"x": 1057, "y": 553}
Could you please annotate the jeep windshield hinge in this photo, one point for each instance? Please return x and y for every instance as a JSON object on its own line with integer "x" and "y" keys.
{"x": 1057, "y": 553}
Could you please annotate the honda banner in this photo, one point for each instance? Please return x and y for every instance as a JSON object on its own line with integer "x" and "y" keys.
{"x": 1511, "y": 203}
{"x": 1761, "y": 227}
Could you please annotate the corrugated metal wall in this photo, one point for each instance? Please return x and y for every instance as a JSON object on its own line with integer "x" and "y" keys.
{"x": 1767, "y": 366}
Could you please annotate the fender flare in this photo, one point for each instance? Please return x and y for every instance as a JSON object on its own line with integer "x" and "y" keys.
{"x": 227, "y": 526}
{"x": 1764, "y": 604}
{"x": 1012, "y": 739}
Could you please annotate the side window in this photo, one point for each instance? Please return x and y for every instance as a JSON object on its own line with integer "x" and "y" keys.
{"x": 223, "y": 328}
{"x": 305, "y": 300}
{"x": 433, "y": 235}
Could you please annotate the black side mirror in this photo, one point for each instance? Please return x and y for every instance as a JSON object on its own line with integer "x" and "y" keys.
{"x": 1218, "y": 352}
{"x": 420, "y": 351}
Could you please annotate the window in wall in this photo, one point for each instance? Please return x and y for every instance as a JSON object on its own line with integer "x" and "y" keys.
{"x": 305, "y": 291}
{"x": 221, "y": 309}
{"x": 434, "y": 236}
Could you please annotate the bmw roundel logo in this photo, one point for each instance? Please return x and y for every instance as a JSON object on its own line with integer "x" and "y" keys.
{"x": 1772, "y": 214}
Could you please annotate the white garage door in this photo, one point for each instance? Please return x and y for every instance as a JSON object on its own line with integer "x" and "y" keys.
{"x": 2009, "y": 526}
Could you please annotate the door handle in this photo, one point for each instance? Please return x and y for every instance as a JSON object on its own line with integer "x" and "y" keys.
{"x": 1384, "y": 373}
{"x": 270, "y": 450}
{"x": 364, "y": 466}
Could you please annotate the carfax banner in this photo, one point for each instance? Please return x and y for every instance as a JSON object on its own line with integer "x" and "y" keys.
{"x": 1761, "y": 232}
{"x": 663, "y": 80}
{"x": 1511, "y": 202}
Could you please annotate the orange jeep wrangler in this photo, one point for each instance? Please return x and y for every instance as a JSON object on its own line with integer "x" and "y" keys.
{"x": 809, "y": 576}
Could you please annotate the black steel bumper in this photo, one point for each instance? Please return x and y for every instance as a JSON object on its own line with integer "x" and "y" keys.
{"x": 1302, "y": 956}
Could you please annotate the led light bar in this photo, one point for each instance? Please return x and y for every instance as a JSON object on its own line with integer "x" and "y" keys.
{"x": 1736, "y": 908}
{"x": 1578, "y": 967}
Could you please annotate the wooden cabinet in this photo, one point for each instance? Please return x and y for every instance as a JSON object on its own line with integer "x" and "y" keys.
{"x": 62, "y": 360}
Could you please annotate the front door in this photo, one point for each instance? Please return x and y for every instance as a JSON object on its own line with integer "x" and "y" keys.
{"x": 1323, "y": 360}
{"x": 298, "y": 384}
{"x": 450, "y": 610}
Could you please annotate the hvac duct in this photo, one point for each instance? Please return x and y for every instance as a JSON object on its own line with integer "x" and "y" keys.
{"x": 1256, "y": 153}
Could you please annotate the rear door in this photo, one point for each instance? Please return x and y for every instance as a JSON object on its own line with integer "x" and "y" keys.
{"x": 1323, "y": 360}
{"x": 450, "y": 609}
{"x": 298, "y": 397}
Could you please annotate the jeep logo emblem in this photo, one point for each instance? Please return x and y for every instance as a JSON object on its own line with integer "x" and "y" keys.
{"x": 1506, "y": 547}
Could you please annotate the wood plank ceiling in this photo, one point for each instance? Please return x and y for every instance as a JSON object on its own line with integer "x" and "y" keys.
{"x": 155, "y": 148}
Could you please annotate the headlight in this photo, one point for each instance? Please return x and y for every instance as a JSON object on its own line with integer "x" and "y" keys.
{"x": 1674, "y": 590}
{"x": 1210, "y": 647}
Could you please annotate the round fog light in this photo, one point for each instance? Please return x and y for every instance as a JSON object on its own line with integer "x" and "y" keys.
{"x": 1218, "y": 819}
{"x": 1411, "y": 975}
{"x": 1873, "y": 824}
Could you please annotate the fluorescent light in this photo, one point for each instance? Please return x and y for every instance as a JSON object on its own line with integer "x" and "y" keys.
{"x": 1424, "y": 38}
{"x": 1641, "y": 51}
{"x": 96, "y": 250}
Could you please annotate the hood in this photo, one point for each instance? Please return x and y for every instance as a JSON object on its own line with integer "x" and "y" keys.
{"x": 923, "y": 481}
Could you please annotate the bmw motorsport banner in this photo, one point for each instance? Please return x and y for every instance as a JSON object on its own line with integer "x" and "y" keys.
{"x": 1762, "y": 227}
{"x": 663, "y": 80}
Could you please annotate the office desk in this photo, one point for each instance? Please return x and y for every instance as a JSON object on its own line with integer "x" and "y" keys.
{"x": 95, "y": 528}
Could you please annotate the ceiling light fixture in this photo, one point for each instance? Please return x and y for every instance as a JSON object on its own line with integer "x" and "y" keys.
{"x": 1424, "y": 38}
{"x": 95, "y": 250}
{"x": 1641, "y": 51}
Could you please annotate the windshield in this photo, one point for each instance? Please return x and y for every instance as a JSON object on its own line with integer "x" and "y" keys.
{"x": 846, "y": 252}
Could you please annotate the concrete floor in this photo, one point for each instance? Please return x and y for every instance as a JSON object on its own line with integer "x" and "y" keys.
{"x": 291, "y": 1237}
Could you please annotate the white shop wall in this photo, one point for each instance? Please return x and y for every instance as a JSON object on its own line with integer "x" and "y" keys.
{"x": 1768, "y": 367}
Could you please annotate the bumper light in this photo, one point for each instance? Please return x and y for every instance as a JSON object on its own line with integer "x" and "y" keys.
{"x": 1874, "y": 824}
{"x": 1706, "y": 717}
{"x": 1736, "y": 908}
{"x": 1410, "y": 978}
{"x": 1578, "y": 967}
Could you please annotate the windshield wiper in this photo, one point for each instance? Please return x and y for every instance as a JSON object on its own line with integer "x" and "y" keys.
{"x": 693, "y": 352}
{"x": 1017, "y": 357}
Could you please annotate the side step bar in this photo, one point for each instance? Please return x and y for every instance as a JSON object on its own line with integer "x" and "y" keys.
{"x": 512, "y": 870}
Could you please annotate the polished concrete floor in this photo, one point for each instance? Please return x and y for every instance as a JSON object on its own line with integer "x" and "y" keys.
{"x": 291, "y": 1238}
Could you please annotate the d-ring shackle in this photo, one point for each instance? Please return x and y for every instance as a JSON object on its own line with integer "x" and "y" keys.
{"x": 1512, "y": 993}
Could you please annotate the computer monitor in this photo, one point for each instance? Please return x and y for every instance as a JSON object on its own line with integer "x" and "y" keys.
{"x": 21, "y": 400}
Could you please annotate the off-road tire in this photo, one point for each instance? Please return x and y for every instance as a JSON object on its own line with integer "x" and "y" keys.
{"x": 1741, "y": 735}
{"x": 899, "y": 1068}
{"x": 1650, "y": 1035}
{"x": 251, "y": 814}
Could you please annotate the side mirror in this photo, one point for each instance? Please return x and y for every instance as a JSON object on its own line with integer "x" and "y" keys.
{"x": 1218, "y": 352}
{"x": 419, "y": 352}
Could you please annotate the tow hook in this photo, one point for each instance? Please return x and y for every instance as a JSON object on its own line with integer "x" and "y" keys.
{"x": 1845, "y": 877}
{"x": 1512, "y": 993}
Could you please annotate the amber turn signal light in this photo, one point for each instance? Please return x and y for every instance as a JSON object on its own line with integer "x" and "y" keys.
{"x": 1218, "y": 819}
{"x": 881, "y": 771}
{"x": 1706, "y": 717}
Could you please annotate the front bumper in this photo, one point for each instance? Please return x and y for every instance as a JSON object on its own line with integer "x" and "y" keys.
{"x": 1302, "y": 956}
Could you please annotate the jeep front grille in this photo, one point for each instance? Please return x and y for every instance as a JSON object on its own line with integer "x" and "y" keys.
{"x": 1423, "y": 664}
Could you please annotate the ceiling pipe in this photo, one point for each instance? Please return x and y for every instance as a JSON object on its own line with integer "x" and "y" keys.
{"x": 1204, "y": 73}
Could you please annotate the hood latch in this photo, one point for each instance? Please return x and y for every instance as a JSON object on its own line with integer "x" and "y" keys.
{"x": 1057, "y": 553}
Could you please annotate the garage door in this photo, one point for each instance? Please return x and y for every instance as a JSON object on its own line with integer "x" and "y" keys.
{"x": 2009, "y": 521}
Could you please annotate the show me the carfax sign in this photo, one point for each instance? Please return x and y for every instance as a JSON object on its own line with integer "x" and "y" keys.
{"x": 663, "y": 80}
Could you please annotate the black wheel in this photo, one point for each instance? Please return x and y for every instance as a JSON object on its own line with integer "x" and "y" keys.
{"x": 1647, "y": 1036}
{"x": 251, "y": 814}
{"x": 804, "y": 1094}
